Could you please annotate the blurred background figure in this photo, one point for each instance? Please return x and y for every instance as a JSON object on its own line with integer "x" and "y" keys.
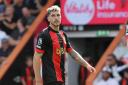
{"x": 31, "y": 4}
{"x": 8, "y": 2}
{"x": 124, "y": 80}
{"x": 18, "y": 5}
{"x": 8, "y": 21}
{"x": 107, "y": 78}
{"x": 25, "y": 21}
{"x": 5, "y": 50}
{"x": 116, "y": 67}
{"x": 28, "y": 76}
{"x": 2, "y": 36}
{"x": 40, "y": 3}
{"x": 121, "y": 51}
{"x": 2, "y": 7}
{"x": 83, "y": 72}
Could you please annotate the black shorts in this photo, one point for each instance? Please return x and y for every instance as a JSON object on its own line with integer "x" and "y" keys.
{"x": 55, "y": 83}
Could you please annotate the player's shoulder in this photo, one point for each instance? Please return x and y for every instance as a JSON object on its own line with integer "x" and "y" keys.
{"x": 62, "y": 32}
{"x": 44, "y": 31}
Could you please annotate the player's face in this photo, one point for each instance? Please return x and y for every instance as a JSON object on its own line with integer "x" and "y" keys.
{"x": 55, "y": 18}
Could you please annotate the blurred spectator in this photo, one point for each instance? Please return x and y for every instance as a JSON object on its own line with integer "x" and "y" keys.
{"x": 40, "y": 3}
{"x": 124, "y": 80}
{"x": 8, "y": 2}
{"x": 106, "y": 78}
{"x": 28, "y": 78}
{"x": 25, "y": 21}
{"x": 31, "y": 4}
{"x": 3, "y": 35}
{"x": 8, "y": 22}
{"x": 2, "y": 7}
{"x": 116, "y": 66}
{"x": 83, "y": 72}
{"x": 5, "y": 49}
{"x": 18, "y": 5}
{"x": 121, "y": 51}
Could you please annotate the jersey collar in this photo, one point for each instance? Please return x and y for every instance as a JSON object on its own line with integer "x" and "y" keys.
{"x": 52, "y": 29}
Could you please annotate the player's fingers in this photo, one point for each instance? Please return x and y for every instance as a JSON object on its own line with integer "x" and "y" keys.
{"x": 91, "y": 70}
{"x": 94, "y": 70}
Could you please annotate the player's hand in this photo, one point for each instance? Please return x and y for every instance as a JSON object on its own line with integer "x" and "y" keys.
{"x": 91, "y": 69}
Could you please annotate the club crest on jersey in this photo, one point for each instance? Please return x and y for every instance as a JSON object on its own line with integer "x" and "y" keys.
{"x": 60, "y": 51}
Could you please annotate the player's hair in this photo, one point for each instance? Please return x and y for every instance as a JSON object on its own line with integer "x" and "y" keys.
{"x": 52, "y": 8}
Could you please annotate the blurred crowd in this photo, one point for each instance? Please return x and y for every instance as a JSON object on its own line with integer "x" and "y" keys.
{"x": 115, "y": 71}
{"x": 16, "y": 16}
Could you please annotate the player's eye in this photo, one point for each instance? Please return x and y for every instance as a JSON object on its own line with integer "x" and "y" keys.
{"x": 58, "y": 15}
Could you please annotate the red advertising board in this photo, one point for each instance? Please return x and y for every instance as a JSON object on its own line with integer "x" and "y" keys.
{"x": 81, "y": 12}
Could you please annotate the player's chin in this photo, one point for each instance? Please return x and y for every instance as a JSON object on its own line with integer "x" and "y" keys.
{"x": 57, "y": 24}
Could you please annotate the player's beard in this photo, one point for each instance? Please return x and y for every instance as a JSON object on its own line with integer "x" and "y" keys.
{"x": 56, "y": 23}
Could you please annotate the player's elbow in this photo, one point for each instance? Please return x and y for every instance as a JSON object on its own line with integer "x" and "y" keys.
{"x": 37, "y": 56}
{"x": 36, "y": 59}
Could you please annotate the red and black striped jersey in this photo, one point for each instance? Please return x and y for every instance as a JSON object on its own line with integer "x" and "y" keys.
{"x": 53, "y": 44}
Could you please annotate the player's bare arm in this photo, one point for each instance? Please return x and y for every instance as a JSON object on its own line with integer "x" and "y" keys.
{"x": 75, "y": 55}
{"x": 36, "y": 67}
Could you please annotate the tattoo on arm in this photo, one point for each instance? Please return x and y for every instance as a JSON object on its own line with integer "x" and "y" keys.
{"x": 75, "y": 55}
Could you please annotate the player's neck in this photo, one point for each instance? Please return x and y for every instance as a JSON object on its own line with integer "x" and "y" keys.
{"x": 56, "y": 28}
